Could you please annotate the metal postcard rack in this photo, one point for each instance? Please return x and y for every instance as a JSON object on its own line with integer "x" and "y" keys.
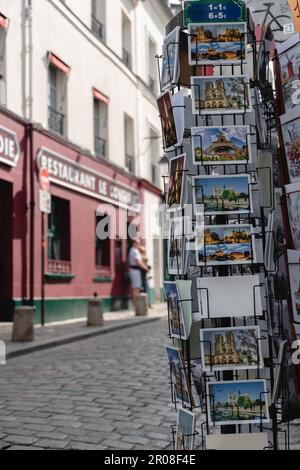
{"x": 181, "y": 377}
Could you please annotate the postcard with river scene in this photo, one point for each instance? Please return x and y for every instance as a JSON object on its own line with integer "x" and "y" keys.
{"x": 237, "y": 402}
{"x": 225, "y": 244}
{"x": 221, "y": 145}
{"x": 217, "y": 44}
{"x": 222, "y": 194}
{"x": 234, "y": 348}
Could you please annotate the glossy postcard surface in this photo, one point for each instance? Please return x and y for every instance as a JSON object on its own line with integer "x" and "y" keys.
{"x": 165, "y": 107}
{"x": 225, "y": 244}
{"x": 170, "y": 65}
{"x": 234, "y": 348}
{"x": 176, "y": 188}
{"x": 293, "y": 205}
{"x": 294, "y": 275}
{"x": 290, "y": 124}
{"x": 217, "y": 44}
{"x": 181, "y": 388}
{"x": 186, "y": 421}
{"x": 221, "y": 95}
{"x": 222, "y": 194}
{"x": 175, "y": 308}
{"x": 221, "y": 145}
{"x": 237, "y": 402}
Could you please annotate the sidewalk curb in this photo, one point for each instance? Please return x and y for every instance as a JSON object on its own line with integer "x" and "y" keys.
{"x": 63, "y": 340}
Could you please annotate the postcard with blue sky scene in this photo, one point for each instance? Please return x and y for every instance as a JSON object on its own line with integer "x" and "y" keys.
{"x": 221, "y": 145}
{"x": 217, "y": 44}
{"x": 222, "y": 194}
{"x": 237, "y": 402}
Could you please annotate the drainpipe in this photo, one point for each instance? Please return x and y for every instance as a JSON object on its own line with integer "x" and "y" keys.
{"x": 32, "y": 215}
{"x": 29, "y": 136}
{"x": 28, "y": 54}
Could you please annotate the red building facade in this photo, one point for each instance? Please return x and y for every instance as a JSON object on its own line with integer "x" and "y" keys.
{"x": 77, "y": 264}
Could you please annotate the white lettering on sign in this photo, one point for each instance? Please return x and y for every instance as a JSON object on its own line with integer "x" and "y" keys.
{"x": 67, "y": 173}
{"x": 9, "y": 147}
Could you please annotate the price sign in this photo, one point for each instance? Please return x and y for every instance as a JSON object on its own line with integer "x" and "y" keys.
{"x": 214, "y": 11}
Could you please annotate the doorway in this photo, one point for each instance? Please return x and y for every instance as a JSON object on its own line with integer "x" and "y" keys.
{"x": 6, "y": 233}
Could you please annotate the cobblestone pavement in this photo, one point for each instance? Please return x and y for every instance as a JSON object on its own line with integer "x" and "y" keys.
{"x": 108, "y": 392}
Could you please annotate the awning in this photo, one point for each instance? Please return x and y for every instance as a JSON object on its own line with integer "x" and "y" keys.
{"x": 58, "y": 63}
{"x": 99, "y": 96}
{"x": 3, "y": 22}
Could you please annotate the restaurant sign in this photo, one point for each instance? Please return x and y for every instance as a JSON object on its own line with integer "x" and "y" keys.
{"x": 65, "y": 172}
{"x": 9, "y": 147}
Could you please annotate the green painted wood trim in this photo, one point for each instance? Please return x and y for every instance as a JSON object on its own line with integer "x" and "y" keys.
{"x": 67, "y": 309}
{"x": 99, "y": 280}
{"x": 60, "y": 276}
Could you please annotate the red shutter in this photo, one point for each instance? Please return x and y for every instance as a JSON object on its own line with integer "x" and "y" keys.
{"x": 59, "y": 64}
{"x": 99, "y": 96}
{"x": 3, "y": 22}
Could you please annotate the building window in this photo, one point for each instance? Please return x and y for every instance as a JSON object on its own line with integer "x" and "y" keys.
{"x": 100, "y": 128}
{"x": 57, "y": 101}
{"x": 98, "y": 19}
{"x": 154, "y": 155}
{"x": 103, "y": 247}
{"x": 129, "y": 144}
{"x": 126, "y": 40}
{"x": 152, "y": 73}
{"x": 59, "y": 230}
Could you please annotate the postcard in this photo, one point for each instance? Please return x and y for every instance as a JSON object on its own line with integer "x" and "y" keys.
{"x": 221, "y": 95}
{"x": 290, "y": 124}
{"x": 221, "y": 145}
{"x": 237, "y": 402}
{"x": 176, "y": 317}
{"x": 170, "y": 65}
{"x": 177, "y": 182}
{"x": 179, "y": 115}
{"x": 294, "y": 274}
{"x": 225, "y": 194}
{"x": 289, "y": 60}
{"x": 181, "y": 387}
{"x": 236, "y": 348}
{"x": 185, "y": 293}
{"x": 277, "y": 388}
{"x": 225, "y": 244}
{"x": 245, "y": 441}
{"x": 177, "y": 249}
{"x": 217, "y": 44}
{"x": 185, "y": 431}
{"x": 238, "y": 296}
{"x": 165, "y": 107}
{"x": 269, "y": 257}
{"x": 293, "y": 206}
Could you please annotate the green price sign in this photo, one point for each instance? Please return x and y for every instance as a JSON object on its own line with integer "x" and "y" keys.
{"x": 214, "y": 11}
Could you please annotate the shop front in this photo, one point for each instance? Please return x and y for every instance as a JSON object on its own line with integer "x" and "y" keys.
{"x": 86, "y": 232}
{"x": 13, "y": 228}
{"x": 85, "y": 235}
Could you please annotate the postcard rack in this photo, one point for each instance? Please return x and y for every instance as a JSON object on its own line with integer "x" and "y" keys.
{"x": 204, "y": 406}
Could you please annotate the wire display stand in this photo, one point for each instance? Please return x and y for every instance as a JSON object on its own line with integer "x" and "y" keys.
{"x": 181, "y": 380}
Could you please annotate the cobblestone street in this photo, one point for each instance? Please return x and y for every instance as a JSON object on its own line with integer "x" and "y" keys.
{"x": 109, "y": 392}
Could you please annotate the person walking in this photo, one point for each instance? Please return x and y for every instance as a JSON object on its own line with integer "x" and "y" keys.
{"x": 136, "y": 266}
{"x": 145, "y": 278}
